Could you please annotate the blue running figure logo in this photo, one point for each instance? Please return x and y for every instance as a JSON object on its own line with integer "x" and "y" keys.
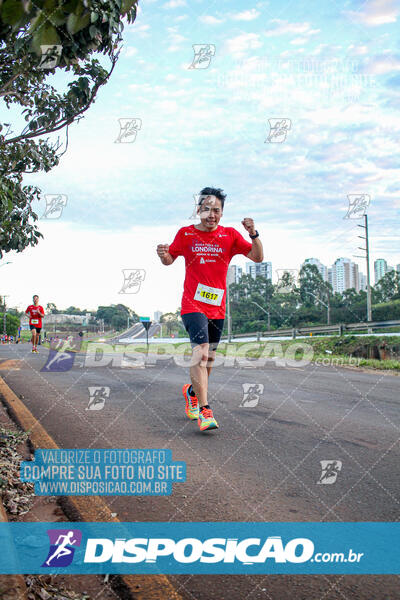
{"x": 61, "y": 551}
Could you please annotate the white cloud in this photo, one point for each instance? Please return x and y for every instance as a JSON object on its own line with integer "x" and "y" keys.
{"x": 281, "y": 27}
{"x": 326, "y": 51}
{"x": 167, "y": 106}
{"x": 130, "y": 51}
{"x": 382, "y": 64}
{"x": 246, "y": 15}
{"x": 240, "y": 44}
{"x": 175, "y": 38}
{"x": 141, "y": 30}
{"x": 376, "y": 12}
{"x": 358, "y": 50}
{"x": 210, "y": 20}
{"x": 174, "y": 4}
{"x": 299, "y": 41}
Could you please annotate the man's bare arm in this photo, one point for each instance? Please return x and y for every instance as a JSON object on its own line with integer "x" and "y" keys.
{"x": 256, "y": 253}
{"x": 164, "y": 255}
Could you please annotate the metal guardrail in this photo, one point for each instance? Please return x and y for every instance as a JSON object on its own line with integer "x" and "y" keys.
{"x": 338, "y": 329}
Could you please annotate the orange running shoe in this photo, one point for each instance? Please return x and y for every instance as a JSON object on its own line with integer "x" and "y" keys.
{"x": 206, "y": 419}
{"x": 192, "y": 403}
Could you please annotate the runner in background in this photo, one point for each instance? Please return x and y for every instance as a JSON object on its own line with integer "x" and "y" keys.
{"x": 35, "y": 312}
{"x": 208, "y": 249}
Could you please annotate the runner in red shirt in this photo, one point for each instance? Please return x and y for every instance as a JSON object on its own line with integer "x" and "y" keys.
{"x": 35, "y": 312}
{"x": 208, "y": 249}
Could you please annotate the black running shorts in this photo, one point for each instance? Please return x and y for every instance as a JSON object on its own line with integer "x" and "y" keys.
{"x": 203, "y": 330}
{"x": 38, "y": 329}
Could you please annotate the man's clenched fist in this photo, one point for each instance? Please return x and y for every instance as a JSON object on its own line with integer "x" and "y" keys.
{"x": 248, "y": 224}
{"x": 162, "y": 250}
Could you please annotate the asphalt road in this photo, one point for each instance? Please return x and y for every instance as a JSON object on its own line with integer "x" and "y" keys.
{"x": 263, "y": 464}
{"x": 136, "y": 332}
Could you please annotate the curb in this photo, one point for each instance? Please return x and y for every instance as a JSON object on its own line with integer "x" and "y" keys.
{"x": 88, "y": 508}
{"x": 12, "y": 587}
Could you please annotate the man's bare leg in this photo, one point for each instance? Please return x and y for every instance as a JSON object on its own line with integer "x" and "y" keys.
{"x": 210, "y": 362}
{"x": 199, "y": 373}
{"x": 33, "y": 340}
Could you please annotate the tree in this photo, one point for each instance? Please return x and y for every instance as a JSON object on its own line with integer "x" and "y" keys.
{"x": 72, "y": 31}
{"x": 286, "y": 284}
{"x": 119, "y": 321}
{"x": 72, "y": 310}
{"x": 12, "y": 324}
{"x": 350, "y": 297}
{"x": 51, "y": 308}
{"x": 14, "y": 311}
{"x": 388, "y": 287}
{"x": 312, "y": 286}
{"x": 117, "y": 315}
{"x": 171, "y": 321}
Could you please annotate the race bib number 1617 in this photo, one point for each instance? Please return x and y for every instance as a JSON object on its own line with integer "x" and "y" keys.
{"x": 209, "y": 295}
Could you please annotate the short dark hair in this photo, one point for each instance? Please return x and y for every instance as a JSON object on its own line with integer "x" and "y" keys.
{"x": 35, "y": 296}
{"x": 217, "y": 192}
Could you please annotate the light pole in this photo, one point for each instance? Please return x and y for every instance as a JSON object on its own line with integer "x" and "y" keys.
{"x": 5, "y": 315}
{"x": 228, "y": 294}
{"x": 266, "y": 311}
{"x": 327, "y": 306}
{"x": 366, "y": 249}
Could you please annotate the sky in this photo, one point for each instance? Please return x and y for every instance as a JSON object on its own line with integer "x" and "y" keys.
{"x": 330, "y": 72}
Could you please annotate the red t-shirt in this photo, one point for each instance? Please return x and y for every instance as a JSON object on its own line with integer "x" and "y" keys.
{"x": 207, "y": 257}
{"x": 35, "y": 315}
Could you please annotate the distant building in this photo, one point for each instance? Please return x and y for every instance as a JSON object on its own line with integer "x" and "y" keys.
{"x": 263, "y": 269}
{"x": 362, "y": 282}
{"x": 157, "y": 315}
{"x": 323, "y": 270}
{"x": 234, "y": 274}
{"x": 380, "y": 269}
{"x": 344, "y": 275}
